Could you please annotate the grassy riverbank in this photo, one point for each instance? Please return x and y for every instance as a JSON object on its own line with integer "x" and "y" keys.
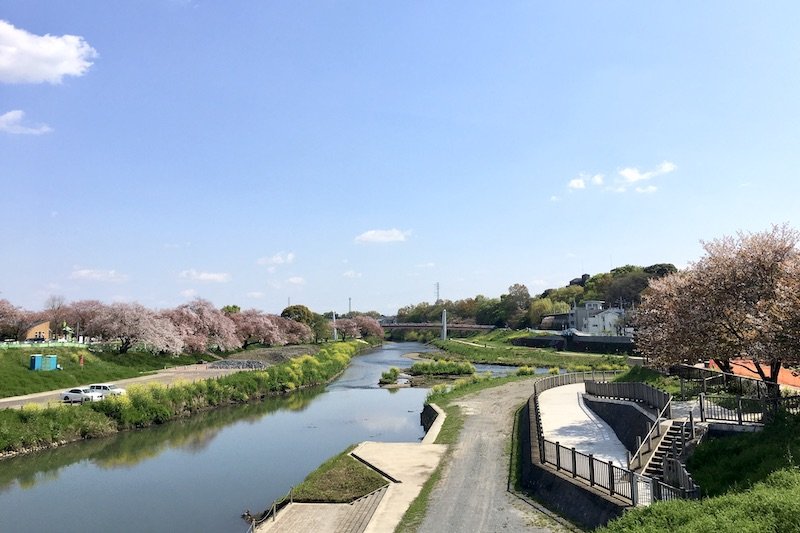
{"x": 487, "y": 349}
{"x": 34, "y": 427}
{"x": 98, "y": 366}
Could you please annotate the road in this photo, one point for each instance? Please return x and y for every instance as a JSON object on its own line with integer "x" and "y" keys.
{"x": 166, "y": 376}
{"x": 472, "y": 495}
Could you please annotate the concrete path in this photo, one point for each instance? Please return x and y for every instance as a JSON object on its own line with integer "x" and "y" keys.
{"x": 567, "y": 420}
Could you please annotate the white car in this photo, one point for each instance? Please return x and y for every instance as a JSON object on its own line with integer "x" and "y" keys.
{"x": 107, "y": 389}
{"x": 81, "y": 394}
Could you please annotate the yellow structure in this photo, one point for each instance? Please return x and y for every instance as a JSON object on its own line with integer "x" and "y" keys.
{"x": 39, "y": 331}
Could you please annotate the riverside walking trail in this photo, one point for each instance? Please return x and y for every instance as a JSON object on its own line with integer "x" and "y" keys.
{"x": 472, "y": 494}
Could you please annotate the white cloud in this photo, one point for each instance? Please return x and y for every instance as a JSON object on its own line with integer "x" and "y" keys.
{"x": 98, "y": 275}
{"x": 11, "y": 122}
{"x": 383, "y": 235}
{"x": 352, "y": 274}
{"x": 281, "y": 258}
{"x": 632, "y": 175}
{"x": 577, "y": 183}
{"x": 296, "y": 280}
{"x": 216, "y": 277}
{"x": 583, "y": 180}
{"x": 189, "y": 293}
{"x": 29, "y": 58}
{"x": 646, "y": 190}
{"x": 426, "y": 265}
{"x": 256, "y": 294}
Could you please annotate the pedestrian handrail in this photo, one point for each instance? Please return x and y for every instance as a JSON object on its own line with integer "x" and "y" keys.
{"x": 654, "y": 433}
{"x": 269, "y": 512}
{"x": 741, "y": 410}
{"x": 622, "y": 483}
{"x": 637, "y": 392}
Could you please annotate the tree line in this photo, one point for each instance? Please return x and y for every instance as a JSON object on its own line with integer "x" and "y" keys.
{"x": 194, "y": 327}
{"x": 622, "y": 287}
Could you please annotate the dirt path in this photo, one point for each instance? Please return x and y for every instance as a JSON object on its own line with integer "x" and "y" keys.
{"x": 472, "y": 495}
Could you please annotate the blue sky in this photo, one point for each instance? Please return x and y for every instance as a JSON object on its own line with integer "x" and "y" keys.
{"x": 254, "y": 152}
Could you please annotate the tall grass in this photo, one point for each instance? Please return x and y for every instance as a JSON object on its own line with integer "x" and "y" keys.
{"x": 441, "y": 367}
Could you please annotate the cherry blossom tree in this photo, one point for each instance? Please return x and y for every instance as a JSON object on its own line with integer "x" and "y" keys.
{"x": 255, "y": 327}
{"x": 132, "y": 324}
{"x": 740, "y": 302}
{"x": 79, "y": 314}
{"x": 294, "y": 332}
{"x": 201, "y": 326}
{"x": 347, "y": 328}
{"x": 368, "y": 326}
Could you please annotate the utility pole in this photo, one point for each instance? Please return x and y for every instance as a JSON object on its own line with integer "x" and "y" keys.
{"x": 444, "y": 324}
{"x": 437, "y": 292}
{"x": 335, "y": 334}
{"x": 349, "y": 305}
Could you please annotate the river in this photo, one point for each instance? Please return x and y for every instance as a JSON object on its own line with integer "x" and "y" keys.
{"x": 200, "y": 474}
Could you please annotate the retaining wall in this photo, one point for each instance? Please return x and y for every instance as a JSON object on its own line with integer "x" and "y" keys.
{"x": 627, "y": 421}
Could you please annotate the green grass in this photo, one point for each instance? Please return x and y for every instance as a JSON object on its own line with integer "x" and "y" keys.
{"x": 441, "y": 367}
{"x": 16, "y": 378}
{"x": 750, "y": 482}
{"x": 640, "y": 374}
{"x": 737, "y": 462}
{"x": 491, "y": 351}
{"x": 340, "y": 479}
{"x": 770, "y": 505}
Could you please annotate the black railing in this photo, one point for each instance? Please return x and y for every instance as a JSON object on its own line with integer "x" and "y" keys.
{"x": 741, "y": 410}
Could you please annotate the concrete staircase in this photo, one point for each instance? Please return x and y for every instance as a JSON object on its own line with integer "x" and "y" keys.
{"x": 361, "y": 510}
{"x": 672, "y": 441}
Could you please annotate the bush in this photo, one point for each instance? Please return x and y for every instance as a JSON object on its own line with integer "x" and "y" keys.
{"x": 390, "y": 376}
{"x": 441, "y": 367}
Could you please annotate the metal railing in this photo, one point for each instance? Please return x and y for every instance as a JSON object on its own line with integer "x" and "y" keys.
{"x": 721, "y": 408}
{"x": 637, "y": 392}
{"x": 653, "y": 434}
{"x": 270, "y": 511}
{"x": 622, "y": 483}
{"x": 695, "y": 380}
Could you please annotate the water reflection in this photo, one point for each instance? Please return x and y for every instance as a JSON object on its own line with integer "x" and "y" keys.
{"x": 129, "y": 448}
{"x": 199, "y": 474}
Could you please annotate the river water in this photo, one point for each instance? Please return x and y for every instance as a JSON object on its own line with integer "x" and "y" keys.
{"x": 200, "y": 474}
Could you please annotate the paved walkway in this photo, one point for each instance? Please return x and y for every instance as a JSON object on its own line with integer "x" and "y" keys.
{"x": 568, "y": 421}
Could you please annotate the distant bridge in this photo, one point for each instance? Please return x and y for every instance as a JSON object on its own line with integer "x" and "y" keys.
{"x": 437, "y": 326}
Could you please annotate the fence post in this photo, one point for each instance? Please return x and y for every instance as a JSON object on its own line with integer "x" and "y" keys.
{"x": 558, "y": 455}
{"x": 611, "y": 477}
{"x": 739, "y": 409}
{"x": 574, "y": 463}
{"x": 683, "y": 390}
{"x": 639, "y": 447}
{"x": 702, "y": 407}
{"x": 691, "y": 425}
{"x": 654, "y": 490}
{"x": 634, "y": 489}
{"x": 591, "y": 470}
